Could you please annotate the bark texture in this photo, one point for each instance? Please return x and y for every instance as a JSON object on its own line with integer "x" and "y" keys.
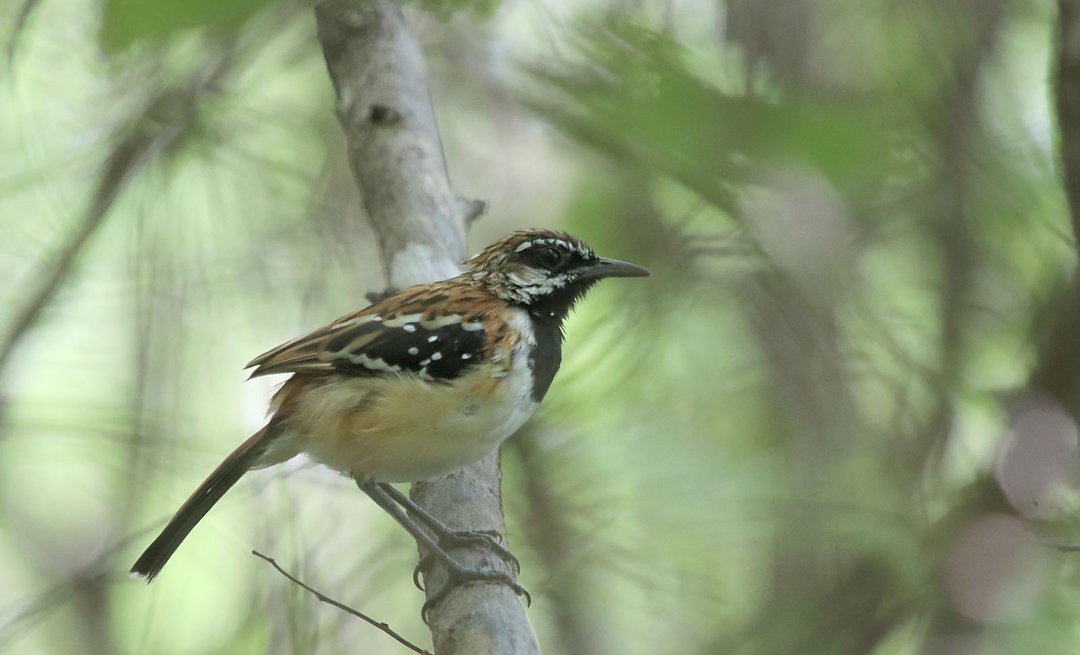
{"x": 397, "y": 159}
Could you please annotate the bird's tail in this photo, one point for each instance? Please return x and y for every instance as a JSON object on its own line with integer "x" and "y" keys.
{"x": 239, "y": 461}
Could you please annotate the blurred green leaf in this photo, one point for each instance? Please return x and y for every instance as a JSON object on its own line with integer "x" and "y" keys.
{"x": 639, "y": 100}
{"x": 127, "y": 22}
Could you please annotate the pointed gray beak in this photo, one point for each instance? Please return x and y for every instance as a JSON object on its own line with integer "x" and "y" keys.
{"x": 612, "y": 268}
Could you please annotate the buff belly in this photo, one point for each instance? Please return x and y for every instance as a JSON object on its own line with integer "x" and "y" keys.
{"x": 403, "y": 429}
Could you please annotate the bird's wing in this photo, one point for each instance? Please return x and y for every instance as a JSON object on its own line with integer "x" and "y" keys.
{"x": 435, "y": 331}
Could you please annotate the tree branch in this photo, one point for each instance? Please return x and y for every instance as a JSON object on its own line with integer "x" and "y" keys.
{"x": 393, "y": 141}
{"x": 397, "y": 159}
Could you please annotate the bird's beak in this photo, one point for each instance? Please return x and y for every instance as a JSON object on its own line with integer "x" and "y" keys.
{"x": 612, "y": 268}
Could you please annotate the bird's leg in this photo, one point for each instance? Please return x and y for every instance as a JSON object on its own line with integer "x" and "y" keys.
{"x": 449, "y": 537}
{"x": 458, "y": 572}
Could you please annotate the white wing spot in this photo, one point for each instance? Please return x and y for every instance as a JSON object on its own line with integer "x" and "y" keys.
{"x": 441, "y": 321}
{"x": 373, "y": 363}
{"x": 414, "y": 351}
{"x": 436, "y": 356}
{"x": 401, "y": 321}
{"x": 358, "y": 321}
{"x": 433, "y": 338}
{"x": 425, "y": 362}
{"x": 466, "y": 356}
{"x": 409, "y": 327}
{"x": 472, "y": 327}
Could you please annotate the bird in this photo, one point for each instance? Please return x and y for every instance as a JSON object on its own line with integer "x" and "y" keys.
{"x": 427, "y": 380}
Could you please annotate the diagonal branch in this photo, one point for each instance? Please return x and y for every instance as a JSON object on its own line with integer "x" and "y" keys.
{"x": 396, "y": 156}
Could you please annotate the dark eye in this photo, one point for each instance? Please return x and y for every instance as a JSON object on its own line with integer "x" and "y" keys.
{"x": 549, "y": 257}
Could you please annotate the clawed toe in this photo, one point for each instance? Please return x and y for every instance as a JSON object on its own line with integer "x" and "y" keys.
{"x": 489, "y": 538}
{"x": 416, "y": 574}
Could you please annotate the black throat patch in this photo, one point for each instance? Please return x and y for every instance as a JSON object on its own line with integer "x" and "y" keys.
{"x": 546, "y": 355}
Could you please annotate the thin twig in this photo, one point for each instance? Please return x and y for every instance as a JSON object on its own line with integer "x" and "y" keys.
{"x": 1062, "y": 548}
{"x": 342, "y": 606}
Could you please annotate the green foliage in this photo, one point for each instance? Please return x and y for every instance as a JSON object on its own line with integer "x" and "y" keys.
{"x": 127, "y": 22}
{"x": 639, "y": 99}
{"x": 796, "y": 437}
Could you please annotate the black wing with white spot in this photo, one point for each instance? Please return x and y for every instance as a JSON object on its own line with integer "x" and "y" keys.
{"x": 435, "y": 345}
{"x": 440, "y": 352}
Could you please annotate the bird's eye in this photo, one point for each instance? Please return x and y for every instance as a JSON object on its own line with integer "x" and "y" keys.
{"x": 549, "y": 257}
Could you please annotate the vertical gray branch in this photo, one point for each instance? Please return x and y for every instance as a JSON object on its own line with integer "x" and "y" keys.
{"x": 397, "y": 158}
{"x": 392, "y": 138}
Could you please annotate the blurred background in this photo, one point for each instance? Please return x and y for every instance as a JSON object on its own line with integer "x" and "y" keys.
{"x": 839, "y": 418}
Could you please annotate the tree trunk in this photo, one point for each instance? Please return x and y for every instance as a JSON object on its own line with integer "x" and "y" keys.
{"x": 398, "y": 162}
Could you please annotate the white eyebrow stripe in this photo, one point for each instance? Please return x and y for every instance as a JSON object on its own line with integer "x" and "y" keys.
{"x": 539, "y": 242}
{"x": 547, "y": 241}
{"x": 582, "y": 250}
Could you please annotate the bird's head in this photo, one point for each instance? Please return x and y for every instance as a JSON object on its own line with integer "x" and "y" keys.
{"x": 544, "y": 271}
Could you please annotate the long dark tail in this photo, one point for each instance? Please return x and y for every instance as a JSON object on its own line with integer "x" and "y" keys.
{"x": 199, "y": 503}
